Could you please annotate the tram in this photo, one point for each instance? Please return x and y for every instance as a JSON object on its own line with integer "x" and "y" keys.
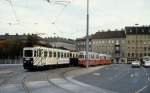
{"x": 43, "y": 57}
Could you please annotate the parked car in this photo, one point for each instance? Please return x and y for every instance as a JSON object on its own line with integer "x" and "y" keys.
{"x": 146, "y": 63}
{"x": 136, "y": 63}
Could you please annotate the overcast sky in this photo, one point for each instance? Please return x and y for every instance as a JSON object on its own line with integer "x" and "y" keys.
{"x": 69, "y": 19}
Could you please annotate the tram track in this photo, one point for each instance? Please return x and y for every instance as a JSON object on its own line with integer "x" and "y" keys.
{"x": 30, "y": 79}
{"x": 24, "y": 85}
{"x": 62, "y": 75}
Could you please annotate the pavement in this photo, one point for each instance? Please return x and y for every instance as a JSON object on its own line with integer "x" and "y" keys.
{"x": 5, "y": 72}
{"x": 41, "y": 81}
{"x": 115, "y": 78}
{"x": 82, "y": 71}
{"x": 121, "y": 78}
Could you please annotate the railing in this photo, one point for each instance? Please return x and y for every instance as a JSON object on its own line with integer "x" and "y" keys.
{"x": 11, "y": 61}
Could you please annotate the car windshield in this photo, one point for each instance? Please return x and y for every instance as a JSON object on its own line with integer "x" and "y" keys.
{"x": 28, "y": 53}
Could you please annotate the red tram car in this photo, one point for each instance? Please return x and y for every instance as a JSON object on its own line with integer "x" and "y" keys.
{"x": 94, "y": 59}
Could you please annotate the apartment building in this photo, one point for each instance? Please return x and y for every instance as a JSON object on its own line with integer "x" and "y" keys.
{"x": 137, "y": 42}
{"x": 111, "y": 43}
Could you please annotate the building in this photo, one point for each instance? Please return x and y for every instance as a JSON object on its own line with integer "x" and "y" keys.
{"x": 137, "y": 41}
{"x": 81, "y": 44}
{"x": 111, "y": 43}
{"x": 131, "y": 43}
{"x": 64, "y": 43}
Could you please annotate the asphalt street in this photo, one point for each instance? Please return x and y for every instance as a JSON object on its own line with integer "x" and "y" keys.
{"x": 121, "y": 78}
{"x": 18, "y": 80}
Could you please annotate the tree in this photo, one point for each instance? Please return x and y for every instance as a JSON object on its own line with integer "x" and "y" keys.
{"x": 32, "y": 40}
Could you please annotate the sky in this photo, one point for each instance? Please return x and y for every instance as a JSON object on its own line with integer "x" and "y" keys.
{"x": 68, "y": 19}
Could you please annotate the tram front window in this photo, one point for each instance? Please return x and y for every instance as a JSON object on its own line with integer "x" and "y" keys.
{"x": 28, "y": 53}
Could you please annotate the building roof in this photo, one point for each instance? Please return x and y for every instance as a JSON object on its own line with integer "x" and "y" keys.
{"x": 59, "y": 39}
{"x": 142, "y": 30}
{"x": 109, "y": 34}
{"x": 84, "y": 38}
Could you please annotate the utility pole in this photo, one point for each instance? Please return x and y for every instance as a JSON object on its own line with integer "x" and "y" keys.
{"x": 136, "y": 43}
{"x": 87, "y": 35}
{"x": 54, "y": 40}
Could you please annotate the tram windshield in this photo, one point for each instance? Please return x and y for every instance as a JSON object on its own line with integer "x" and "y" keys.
{"x": 28, "y": 53}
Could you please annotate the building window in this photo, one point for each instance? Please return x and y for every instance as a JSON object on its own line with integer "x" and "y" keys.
{"x": 103, "y": 41}
{"x": 128, "y": 54}
{"x": 141, "y": 41}
{"x": 137, "y": 55}
{"x": 109, "y": 41}
{"x": 122, "y": 54}
{"x": 132, "y": 54}
{"x": 128, "y": 42}
{"x": 123, "y": 41}
{"x": 112, "y": 41}
{"x": 144, "y": 48}
{"x": 133, "y": 48}
{"x": 149, "y": 48}
{"x": 132, "y": 41}
{"x": 140, "y": 54}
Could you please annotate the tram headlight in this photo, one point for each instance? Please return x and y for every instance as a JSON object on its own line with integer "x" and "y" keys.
{"x": 24, "y": 62}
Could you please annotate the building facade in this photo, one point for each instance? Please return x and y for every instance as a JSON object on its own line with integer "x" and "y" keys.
{"x": 138, "y": 42}
{"x": 81, "y": 44}
{"x": 111, "y": 43}
{"x": 131, "y": 43}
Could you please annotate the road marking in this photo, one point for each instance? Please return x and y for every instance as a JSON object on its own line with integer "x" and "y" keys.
{"x": 131, "y": 75}
{"x": 148, "y": 78}
{"x": 146, "y": 74}
{"x": 96, "y": 74}
{"x": 140, "y": 90}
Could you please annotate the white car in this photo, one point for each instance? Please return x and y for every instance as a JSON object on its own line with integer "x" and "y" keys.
{"x": 146, "y": 63}
{"x": 136, "y": 63}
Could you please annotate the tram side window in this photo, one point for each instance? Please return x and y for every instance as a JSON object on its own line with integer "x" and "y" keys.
{"x": 76, "y": 55}
{"x": 28, "y": 53}
{"x": 81, "y": 56}
{"x": 54, "y": 54}
{"x": 58, "y": 54}
{"x": 50, "y": 53}
{"x": 61, "y": 55}
{"x": 68, "y": 55}
{"x": 45, "y": 53}
{"x": 64, "y": 55}
{"x": 97, "y": 56}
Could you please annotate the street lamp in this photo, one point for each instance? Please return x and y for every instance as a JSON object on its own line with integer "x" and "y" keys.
{"x": 136, "y": 52}
{"x": 87, "y": 35}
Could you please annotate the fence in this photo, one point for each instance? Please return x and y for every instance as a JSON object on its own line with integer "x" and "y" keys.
{"x": 11, "y": 61}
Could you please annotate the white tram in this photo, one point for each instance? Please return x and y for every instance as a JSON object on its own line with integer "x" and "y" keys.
{"x": 34, "y": 57}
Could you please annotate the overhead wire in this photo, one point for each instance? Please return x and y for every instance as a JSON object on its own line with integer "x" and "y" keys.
{"x": 63, "y": 3}
{"x": 13, "y": 10}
